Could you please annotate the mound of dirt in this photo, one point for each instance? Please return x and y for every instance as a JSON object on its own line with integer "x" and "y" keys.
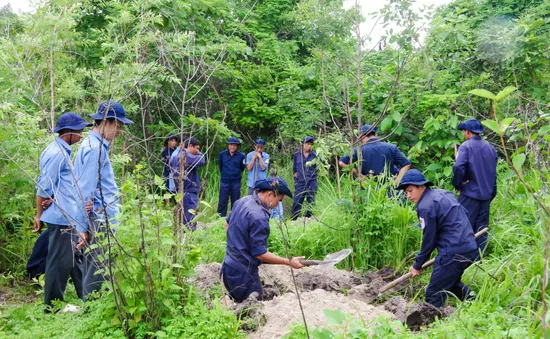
{"x": 415, "y": 315}
{"x": 207, "y": 275}
{"x": 283, "y": 311}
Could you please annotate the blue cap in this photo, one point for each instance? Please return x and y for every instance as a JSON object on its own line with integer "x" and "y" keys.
{"x": 173, "y": 137}
{"x": 413, "y": 177}
{"x": 72, "y": 121}
{"x": 260, "y": 142}
{"x": 471, "y": 125}
{"x": 308, "y": 139}
{"x": 233, "y": 140}
{"x": 273, "y": 183}
{"x": 111, "y": 109}
{"x": 368, "y": 129}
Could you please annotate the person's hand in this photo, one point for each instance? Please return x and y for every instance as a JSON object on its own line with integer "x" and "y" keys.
{"x": 295, "y": 262}
{"x": 37, "y": 224}
{"x": 46, "y": 203}
{"x": 465, "y": 182}
{"x": 84, "y": 237}
{"x": 414, "y": 272}
{"x": 89, "y": 206}
{"x": 296, "y": 175}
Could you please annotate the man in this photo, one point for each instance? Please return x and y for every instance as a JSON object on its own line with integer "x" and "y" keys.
{"x": 185, "y": 165}
{"x": 305, "y": 178}
{"x": 56, "y": 182}
{"x": 247, "y": 231}
{"x": 170, "y": 146}
{"x": 96, "y": 181}
{"x": 257, "y": 163}
{"x": 445, "y": 226}
{"x": 475, "y": 177}
{"x": 231, "y": 163}
{"x": 377, "y": 157}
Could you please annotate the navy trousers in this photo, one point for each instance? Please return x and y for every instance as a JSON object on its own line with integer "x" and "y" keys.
{"x": 94, "y": 257}
{"x": 190, "y": 202}
{"x": 36, "y": 265}
{"x": 63, "y": 260}
{"x": 446, "y": 276}
{"x": 241, "y": 285}
{"x": 304, "y": 191}
{"x": 478, "y": 213}
{"x": 227, "y": 191}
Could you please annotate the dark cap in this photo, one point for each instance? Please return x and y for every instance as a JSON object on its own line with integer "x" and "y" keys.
{"x": 233, "y": 140}
{"x": 471, "y": 125}
{"x": 273, "y": 183}
{"x": 413, "y": 177}
{"x": 111, "y": 109}
{"x": 368, "y": 129}
{"x": 72, "y": 121}
{"x": 308, "y": 139}
{"x": 259, "y": 142}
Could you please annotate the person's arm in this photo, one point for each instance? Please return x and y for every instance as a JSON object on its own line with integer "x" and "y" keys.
{"x": 403, "y": 162}
{"x": 243, "y": 162}
{"x": 270, "y": 258}
{"x": 295, "y": 165}
{"x": 194, "y": 160}
{"x": 87, "y": 182}
{"x": 47, "y": 181}
{"x": 459, "y": 168}
{"x": 401, "y": 173}
{"x": 226, "y": 226}
{"x": 263, "y": 164}
{"x": 495, "y": 185}
{"x": 344, "y": 161}
{"x": 250, "y": 160}
{"x": 220, "y": 164}
{"x": 429, "y": 239}
{"x": 39, "y": 210}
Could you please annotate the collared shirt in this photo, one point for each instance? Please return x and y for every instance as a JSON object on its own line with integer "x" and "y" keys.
{"x": 262, "y": 174}
{"x": 191, "y": 178}
{"x": 231, "y": 166}
{"x": 247, "y": 234}
{"x": 476, "y": 163}
{"x": 304, "y": 172}
{"x": 377, "y": 156}
{"x": 445, "y": 226}
{"x": 56, "y": 181}
{"x": 166, "y": 153}
{"x": 93, "y": 170}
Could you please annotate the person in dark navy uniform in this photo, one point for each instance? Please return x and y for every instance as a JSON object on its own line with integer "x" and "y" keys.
{"x": 231, "y": 163}
{"x": 247, "y": 229}
{"x": 475, "y": 176}
{"x": 170, "y": 146}
{"x": 378, "y": 157}
{"x": 305, "y": 178}
{"x": 445, "y": 226}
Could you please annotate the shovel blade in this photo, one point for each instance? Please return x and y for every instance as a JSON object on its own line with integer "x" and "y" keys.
{"x": 334, "y": 258}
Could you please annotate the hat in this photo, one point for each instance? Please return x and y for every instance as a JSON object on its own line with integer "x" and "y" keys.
{"x": 368, "y": 129}
{"x": 260, "y": 142}
{"x": 70, "y": 120}
{"x": 233, "y": 140}
{"x": 471, "y": 125}
{"x": 111, "y": 109}
{"x": 413, "y": 177}
{"x": 273, "y": 183}
{"x": 308, "y": 139}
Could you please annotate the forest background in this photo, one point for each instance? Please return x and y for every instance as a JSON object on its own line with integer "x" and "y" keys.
{"x": 282, "y": 69}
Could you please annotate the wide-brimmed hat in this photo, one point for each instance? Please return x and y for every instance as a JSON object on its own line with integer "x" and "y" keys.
{"x": 259, "y": 142}
{"x": 471, "y": 125}
{"x": 308, "y": 139}
{"x": 272, "y": 184}
{"x": 111, "y": 109}
{"x": 413, "y": 177}
{"x": 233, "y": 140}
{"x": 72, "y": 121}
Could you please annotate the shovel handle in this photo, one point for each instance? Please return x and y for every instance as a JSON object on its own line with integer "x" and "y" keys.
{"x": 426, "y": 264}
{"x": 311, "y": 262}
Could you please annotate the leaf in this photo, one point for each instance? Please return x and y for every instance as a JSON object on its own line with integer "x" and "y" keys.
{"x": 396, "y": 116}
{"x": 518, "y": 161}
{"x": 505, "y": 92}
{"x": 433, "y": 167}
{"x": 491, "y": 124}
{"x": 483, "y": 93}
{"x": 386, "y": 123}
{"x": 335, "y": 317}
{"x": 159, "y": 181}
{"x": 544, "y": 130}
{"x": 504, "y": 124}
{"x": 509, "y": 174}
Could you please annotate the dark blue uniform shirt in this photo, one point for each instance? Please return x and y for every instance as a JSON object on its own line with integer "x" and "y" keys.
{"x": 444, "y": 224}
{"x": 376, "y": 156}
{"x": 231, "y": 166}
{"x": 477, "y": 164}
{"x": 247, "y": 234}
{"x": 166, "y": 153}
{"x": 304, "y": 172}
{"x": 192, "y": 180}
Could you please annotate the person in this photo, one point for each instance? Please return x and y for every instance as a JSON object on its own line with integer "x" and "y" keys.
{"x": 36, "y": 265}
{"x": 445, "y": 226}
{"x": 56, "y": 182}
{"x": 377, "y": 157}
{"x": 305, "y": 178}
{"x": 257, "y": 163}
{"x": 97, "y": 185}
{"x": 475, "y": 177}
{"x": 247, "y": 230}
{"x": 188, "y": 159}
{"x": 232, "y": 164}
{"x": 169, "y": 148}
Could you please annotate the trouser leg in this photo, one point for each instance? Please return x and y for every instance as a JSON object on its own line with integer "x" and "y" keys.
{"x": 310, "y": 197}
{"x": 240, "y": 285}
{"x": 235, "y": 192}
{"x": 223, "y": 199}
{"x": 446, "y": 277}
{"x": 190, "y": 202}
{"x": 297, "y": 202}
{"x": 483, "y": 222}
{"x": 93, "y": 259}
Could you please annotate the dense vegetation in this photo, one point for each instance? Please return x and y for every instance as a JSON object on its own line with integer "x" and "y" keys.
{"x": 279, "y": 69}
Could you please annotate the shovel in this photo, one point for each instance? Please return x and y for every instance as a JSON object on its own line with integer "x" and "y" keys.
{"x": 330, "y": 260}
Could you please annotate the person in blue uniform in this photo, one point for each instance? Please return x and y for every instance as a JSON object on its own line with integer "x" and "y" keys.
{"x": 56, "y": 182}
{"x": 475, "y": 176}
{"x": 247, "y": 229}
{"x": 169, "y": 147}
{"x": 96, "y": 182}
{"x": 445, "y": 226}
{"x": 257, "y": 163}
{"x": 378, "y": 157}
{"x": 305, "y": 178}
{"x": 231, "y": 163}
{"x": 36, "y": 265}
{"x": 185, "y": 165}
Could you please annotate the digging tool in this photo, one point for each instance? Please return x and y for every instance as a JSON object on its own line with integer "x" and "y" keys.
{"x": 426, "y": 264}
{"x": 330, "y": 260}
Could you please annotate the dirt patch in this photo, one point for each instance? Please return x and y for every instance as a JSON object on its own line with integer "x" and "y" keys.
{"x": 207, "y": 275}
{"x": 283, "y": 311}
{"x": 415, "y": 315}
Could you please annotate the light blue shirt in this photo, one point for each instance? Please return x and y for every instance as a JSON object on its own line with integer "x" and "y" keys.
{"x": 56, "y": 181}
{"x": 262, "y": 174}
{"x": 91, "y": 160}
